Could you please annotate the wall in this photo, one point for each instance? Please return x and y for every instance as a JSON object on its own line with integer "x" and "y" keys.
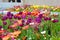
{"x": 4, "y": 5}
{"x": 43, "y": 2}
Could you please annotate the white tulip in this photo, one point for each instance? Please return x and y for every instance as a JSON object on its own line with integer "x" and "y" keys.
{"x": 2, "y": 29}
{"x": 43, "y": 32}
{"x": 52, "y": 19}
{"x": 31, "y": 23}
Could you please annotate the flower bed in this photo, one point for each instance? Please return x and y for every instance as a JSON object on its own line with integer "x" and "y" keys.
{"x": 30, "y": 23}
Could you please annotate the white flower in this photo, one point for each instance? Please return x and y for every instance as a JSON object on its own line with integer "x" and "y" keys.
{"x": 44, "y": 11}
{"x": 52, "y": 19}
{"x": 2, "y": 29}
{"x": 43, "y": 32}
{"x": 31, "y": 23}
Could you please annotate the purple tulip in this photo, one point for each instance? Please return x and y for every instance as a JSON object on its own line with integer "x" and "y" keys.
{"x": 23, "y": 21}
{"x": 15, "y": 17}
{"x": 38, "y": 20}
{"x": 20, "y": 12}
{"x": 23, "y": 16}
{"x": 41, "y": 15}
{"x": 54, "y": 21}
{"x": 29, "y": 13}
{"x": 4, "y": 23}
{"x": 47, "y": 18}
{"x": 19, "y": 17}
{"x": 10, "y": 17}
{"x": 29, "y": 20}
{"x": 0, "y": 27}
{"x": 8, "y": 13}
{"x": 4, "y": 18}
{"x": 11, "y": 14}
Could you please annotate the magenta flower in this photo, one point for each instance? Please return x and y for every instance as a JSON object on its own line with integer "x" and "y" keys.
{"x": 23, "y": 22}
{"x": 11, "y": 14}
{"x": 10, "y": 17}
{"x": 21, "y": 25}
{"x": 41, "y": 15}
{"x": 2, "y": 35}
{"x": 8, "y": 13}
{"x": 23, "y": 16}
{"x": 19, "y": 17}
{"x": 47, "y": 18}
{"x": 4, "y": 18}
{"x": 29, "y": 13}
{"x": 38, "y": 20}
{"x": 0, "y": 27}
{"x": 29, "y": 20}
{"x": 54, "y": 21}
{"x": 4, "y": 23}
{"x": 15, "y": 17}
{"x": 20, "y": 13}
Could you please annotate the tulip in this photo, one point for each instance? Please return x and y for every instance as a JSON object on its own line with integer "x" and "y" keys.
{"x": 0, "y": 27}
{"x": 19, "y": 17}
{"x": 47, "y": 18}
{"x": 4, "y": 18}
{"x": 25, "y": 27}
{"x": 38, "y": 20}
{"x": 41, "y": 15}
{"x": 20, "y": 13}
{"x": 23, "y": 16}
{"x": 10, "y": 17}
{"x": 43, "y": 32}
{"x": 21, "y": 25}
{"x": 8, "y": 13}
{"x": 29, "y": 21}
{"x": 4, "y": 23}
{"x": 29, "y": 13}
{"x": 15, "y": 17}
{"x": 54, "y": 21}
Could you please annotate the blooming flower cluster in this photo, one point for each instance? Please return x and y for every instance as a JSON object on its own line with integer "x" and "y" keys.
{"x": 29, "y": 24}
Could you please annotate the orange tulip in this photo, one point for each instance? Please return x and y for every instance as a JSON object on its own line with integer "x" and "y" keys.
{"x": 25, "y": 27}
{"x": 35, "y": 13}
{"x": 19, "y": 22}
{"x": 14, "y": 25}
{"x": 25, "y": 12}
{"x": 15, "y": 34}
